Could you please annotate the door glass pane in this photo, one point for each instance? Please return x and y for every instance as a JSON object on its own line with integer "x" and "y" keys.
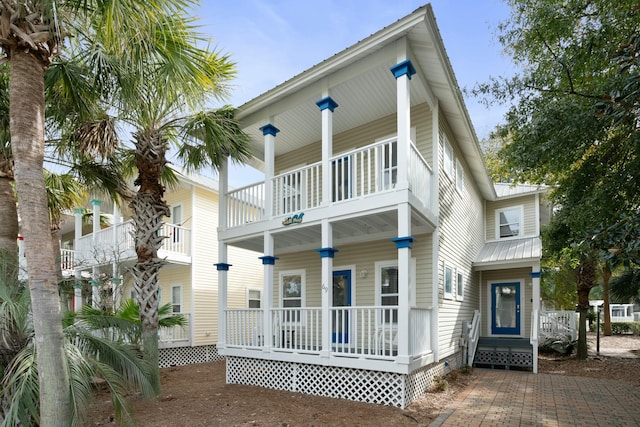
{"x": 506, "y": 314}
{"x": 389, "y": 293}
{"x": 341, "y": 298}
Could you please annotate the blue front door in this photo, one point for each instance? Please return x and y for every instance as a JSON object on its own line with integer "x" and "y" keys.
{"x": 505, "y": 308}
{"x": 341, "y": 298}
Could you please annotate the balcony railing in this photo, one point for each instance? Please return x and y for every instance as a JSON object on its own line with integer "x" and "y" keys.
{"x": 176, "y": 336}
{"x": 355, "y": 174}
{"x": 368, "y": 332}
{"x": 117, "y": 243}
{"x": 67, "y": 259}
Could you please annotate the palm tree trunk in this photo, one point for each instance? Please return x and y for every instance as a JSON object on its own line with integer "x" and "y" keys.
{"x": 8, "y": 213}
{"x": 149, "y": 210}
{"x": 26, "y": 98}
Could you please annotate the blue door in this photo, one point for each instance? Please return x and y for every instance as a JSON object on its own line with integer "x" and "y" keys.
{"x": 505, "y": 308}
{"x": 341, "y": 298}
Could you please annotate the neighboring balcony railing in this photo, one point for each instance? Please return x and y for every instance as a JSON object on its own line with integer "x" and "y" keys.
{"x": 359, "y": 332}
{"x": 355, "y": 174}
{"x": 176, "y": 336}
{"x": 117, "y": 242}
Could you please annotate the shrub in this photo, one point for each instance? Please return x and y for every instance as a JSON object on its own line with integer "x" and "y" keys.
{"x": 620, "y": 328}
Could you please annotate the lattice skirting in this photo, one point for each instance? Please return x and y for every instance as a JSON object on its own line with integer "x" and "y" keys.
{"x": 180, "y": 356}
{"x": 386, "y": 388}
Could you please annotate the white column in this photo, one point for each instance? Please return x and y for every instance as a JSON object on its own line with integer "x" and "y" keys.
{"x": 116, "y": 280}
{"x": 268, "y": 260}
{"x": 22, "y": 260}
{"x": 77, "y": 296}
{"x": 223, "y": 269}
{"x": 269, "y": 132}
{"x": 535, "y": 305}
{"x": 95, "y": 282}
{"x": 326, "y": 256}
{"x": 327, "y": 105}
{"x": 403, "y": 72}
{"x": 404, "y": 243}
{"x": 223, "y": 189}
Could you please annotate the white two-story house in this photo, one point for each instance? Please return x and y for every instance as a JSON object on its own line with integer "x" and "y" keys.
{"x": 380, "y": 236}
{"x": 101, "y": 254}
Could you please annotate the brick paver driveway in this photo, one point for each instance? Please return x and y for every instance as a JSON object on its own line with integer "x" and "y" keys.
{"x": 510, "y": 398}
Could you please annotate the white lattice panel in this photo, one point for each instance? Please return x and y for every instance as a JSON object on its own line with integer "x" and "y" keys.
{"x": 180, "y": 356}
{"x": 385, "y": 388}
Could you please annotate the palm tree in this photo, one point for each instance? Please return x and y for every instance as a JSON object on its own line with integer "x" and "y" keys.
{"x": 158, "y": 101}
{"x": 31, "y": 35}
{"x": 89, "y": 356}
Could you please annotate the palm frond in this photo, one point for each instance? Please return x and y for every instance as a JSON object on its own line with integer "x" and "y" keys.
{"x": 626, "y": 286}
{"x": 20, "y": 386}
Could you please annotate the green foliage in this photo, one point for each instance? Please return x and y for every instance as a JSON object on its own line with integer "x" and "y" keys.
{"x": 626, "y": 286}
{"x": 620, "y": 328}
{"x": 90, "y": 356}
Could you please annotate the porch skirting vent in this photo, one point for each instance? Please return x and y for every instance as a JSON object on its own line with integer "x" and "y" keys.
{"x": 180, "y": 356}
{"x": 384, "y": 388}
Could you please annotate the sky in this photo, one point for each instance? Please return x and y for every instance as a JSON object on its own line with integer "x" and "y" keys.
{"x": 273, "y": 40}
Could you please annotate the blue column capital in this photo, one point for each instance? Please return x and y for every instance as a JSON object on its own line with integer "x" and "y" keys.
{"x": 327, "y": 252}
{"x": 94, "y": 283}
{"x": 222, "y": 266}
{"x": 269, "y": 129}
{"x": 268, "y": 259}
{"x": 535, "y": 274}
{"x": 327, "y": 102}
{"x": 403, "y": 242}
{"x": 402, "y": 68}
{"x": 78, "y": 211}
{"x": 96, "y": 202}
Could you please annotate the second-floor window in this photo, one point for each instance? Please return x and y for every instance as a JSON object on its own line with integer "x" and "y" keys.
{"x": 509, "y": 222}
{"x": 176, "y": 298}
{"x": 448, "y": 159}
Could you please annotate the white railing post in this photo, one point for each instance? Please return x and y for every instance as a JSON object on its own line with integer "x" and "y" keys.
{"x": 404, "y": 243}
{"x": 327, "y": 253}
{"x": 268, "y": 261}
{"x": 95, "y": 283}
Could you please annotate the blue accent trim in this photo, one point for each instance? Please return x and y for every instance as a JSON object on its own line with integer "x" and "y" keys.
{"x": 404, "y": 67}
{"x": 94, "y": 282}
{"x": 222, "y": 266}
{"x": 95, "y": 202}
{"x": 268, "y": 259}
{"x": 78, "y": 211}
{"x": 327, "y": 252}
{"x": 327, "y": 102}
{"x": 535, "y": 274}
{"x": 269, "y": 129}
{"x": 403, "y": 242}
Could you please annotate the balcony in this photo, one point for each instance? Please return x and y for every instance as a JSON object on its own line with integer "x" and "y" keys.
{"x": 176, "y": 336}
{"x": 364, "y": 333}
{"x": 356, "y": 175}
{"x": 117, "y": 244}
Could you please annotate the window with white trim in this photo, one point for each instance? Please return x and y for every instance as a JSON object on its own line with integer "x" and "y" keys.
{"x": 448, "y": 158}
{"x": 459, "y": 286}
{"x": 292, "y": 291}
{"x": 459, "y": 176}
{"x": 176, "y": 219}
{"x": 448, "y": 281}
{"x": 388, "y": 289}
{"x": 176, "y": 298}
{"x": 509, "y": 222}
{"x": 254, "y": 298}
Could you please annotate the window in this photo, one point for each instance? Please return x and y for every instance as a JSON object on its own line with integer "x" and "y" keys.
{"x": 448, "y": 158}
{"x": 254, "y": 298}
{"x": 292, "y": 284}
{"x": 176, "y": 219}
{"x": 448, "y": 281}
{"x": 389, "y": 165}
{"x": 459, "y": 176}
{"x": 389, "y": 292}
{"x": 459, "y": 287}
{"x": 176, "y": 298}
{"x": 509, "y": 222}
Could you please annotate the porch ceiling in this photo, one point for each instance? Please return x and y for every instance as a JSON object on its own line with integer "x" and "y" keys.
{"x": 302, "y": 237}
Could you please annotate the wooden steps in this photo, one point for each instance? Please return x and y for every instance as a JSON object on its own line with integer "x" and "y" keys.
{"x": 504, "y": 353}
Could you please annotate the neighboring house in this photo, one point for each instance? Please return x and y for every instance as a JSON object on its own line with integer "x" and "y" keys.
{"x": 104, "y": 254}
{"x": 386, "y": 250}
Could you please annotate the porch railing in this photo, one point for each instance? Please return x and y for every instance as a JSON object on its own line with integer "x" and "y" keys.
{"x": 472, "y": 337}
{"x": 553, "y": 323}
{"x": 67, "y": 259}
{"x": 355, "y": 174}
{"x": 368, "y": 332}
{"x": 118, "y": 242}
{"x": 175, "y": 334}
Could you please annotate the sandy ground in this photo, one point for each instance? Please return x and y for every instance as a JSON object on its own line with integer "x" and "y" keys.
{"x": 197, "y": 395}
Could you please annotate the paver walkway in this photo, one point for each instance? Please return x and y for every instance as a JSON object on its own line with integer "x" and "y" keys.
{"x": 511, "y": 398}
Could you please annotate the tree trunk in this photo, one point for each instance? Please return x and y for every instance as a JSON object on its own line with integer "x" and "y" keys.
{"x": 606, "y": 310}
{"x": 26, "y": 98}
{"x": 9, "y": 215}
{"x": 585, "y": 280}
{"x": 149, "y": 210}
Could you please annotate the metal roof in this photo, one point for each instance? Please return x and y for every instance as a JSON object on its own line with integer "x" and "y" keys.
{"x": 509, "y": 252}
